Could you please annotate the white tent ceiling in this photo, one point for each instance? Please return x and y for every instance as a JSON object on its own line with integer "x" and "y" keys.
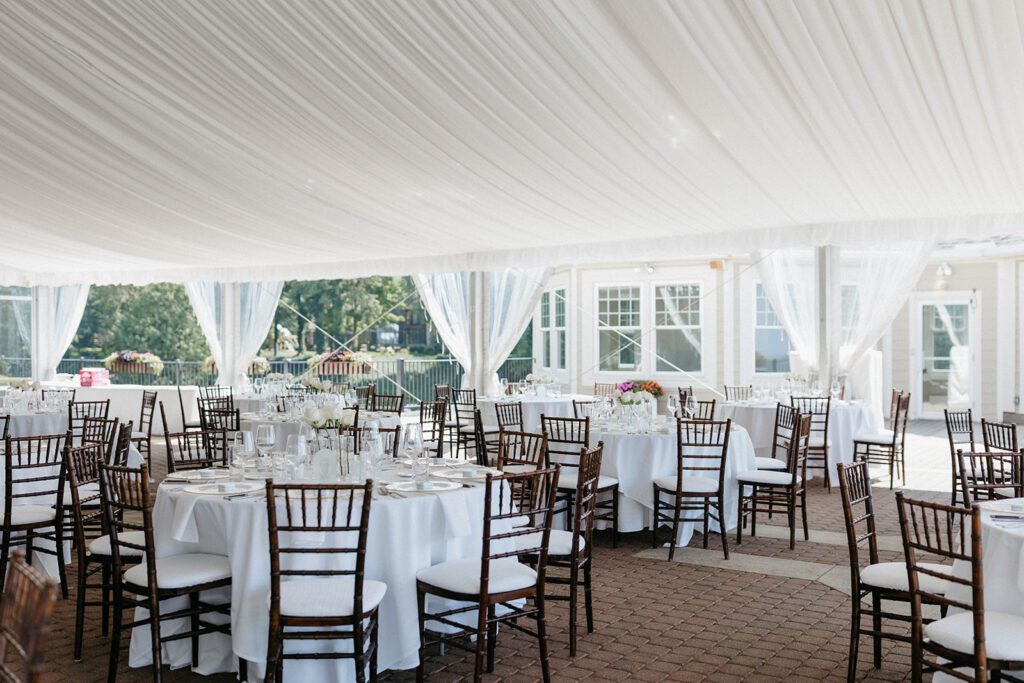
{"x": 250, "y": 139}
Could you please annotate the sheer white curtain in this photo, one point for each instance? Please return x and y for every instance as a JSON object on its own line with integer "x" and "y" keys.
{"x": 57, "y": 311}
{"x": 235, "y": 319}
{"x": 789, "y": 279}
{"x": 480, "y": 316}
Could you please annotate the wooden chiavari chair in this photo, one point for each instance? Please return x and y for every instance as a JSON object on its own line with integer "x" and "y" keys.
{"x": 481, "y": 449}
{"x": 92, "y": 540}
{"x": 128, "y": 514}
{"x": 739, "y": 393}
{"x": 818, "y": 445}
{"x": 497, "y": 578}
{"x": 465, "y": 410}
{"x": 567, "y": 437}
{"x": 510, "y": 415}
{"x": 337, "y": 603}
{"x": 894, "y": 404}
{"x": 432, "y": 424}
{"x": 999, "y": 437}
{"x": 122, "y": 447}
{"x": 185, "y": 423}
{"x": 886, "y": 448}
{"x": 388, "y": 403}
{"x": 5, "y": 426}
{"x": 876, "y": 580}
{"x": 784, "y": 489}
{"x": 143, "y": 438}
{"x": 364, "y": 396}
{"x": 25, "y": 612}
{"x": 975, "y": 638}
{"x": 101, "y": 431}
{"x": 696, "y": 492}
{"x": 990, "y": 476}
{"x": 68, "y": 395}
{"x": 960, "y": 430}
{"x": 785, "y": 421}
{"x": 522, "y": 451}
{"x": 570, "y": 553}
{"x": 196, "y": 450}
{"x": 79, "y": 410}
{"x": 34, "y": 490}
{"x": 704, "y": 410}
{"x": 582, "y": 408}
{"x": 217, "y": 391}
{"x": 605, "y": 389}
{"x": 684, "y": 393}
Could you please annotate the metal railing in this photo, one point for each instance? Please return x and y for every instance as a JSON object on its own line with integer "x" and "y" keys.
{"x": 414, "y": 375}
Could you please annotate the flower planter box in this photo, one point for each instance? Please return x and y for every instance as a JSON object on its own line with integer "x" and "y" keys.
{"x": 131, "y": 368}
{"x": 343, "y": 368}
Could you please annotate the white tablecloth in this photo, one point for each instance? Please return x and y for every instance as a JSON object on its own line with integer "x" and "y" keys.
{"x": 845, "y": 420}
{"x": 533, "y": 408}
{"x": 38, "y": 424}
{"x": 126, "y": 402}
{"x": 285, "y": 427}
{"x": 636, "y": 460}
{"x": 405, "y": 536}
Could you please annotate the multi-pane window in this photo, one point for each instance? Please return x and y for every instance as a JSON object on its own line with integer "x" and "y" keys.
{"x": 618, "y": 328}
{"x": 552, "y": 329}
{"x": 15, "y": 330}
{"x": 677, "y": 322}
{"x": 771, "y": 343}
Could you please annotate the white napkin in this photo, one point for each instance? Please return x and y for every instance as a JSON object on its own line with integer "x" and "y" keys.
{"x": 183, "y": 525}
{"x": 456, "y": 515}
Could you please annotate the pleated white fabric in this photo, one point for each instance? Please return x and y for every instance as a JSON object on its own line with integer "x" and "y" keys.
{"x": 248, "y": 140}
{"x": 57, "y": 312}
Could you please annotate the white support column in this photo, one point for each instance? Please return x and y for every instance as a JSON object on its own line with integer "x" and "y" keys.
{"x": 42, "y": 307}
{"x": 826, "y": 261}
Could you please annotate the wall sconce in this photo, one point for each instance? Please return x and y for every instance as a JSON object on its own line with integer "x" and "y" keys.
{"x": 942, "y": 273}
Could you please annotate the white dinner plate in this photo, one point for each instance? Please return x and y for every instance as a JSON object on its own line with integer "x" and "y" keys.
{"x": 423, "y": 486}
{"x": 465, "y": 473}
{"x": 195, "y": 477}
{"x": 223, "y": 488}
{"x": 436, "y": 462}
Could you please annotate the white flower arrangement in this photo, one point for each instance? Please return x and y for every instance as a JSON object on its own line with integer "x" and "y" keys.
{"x": 540, "y": 378}
{"x": 26, "y": 384}
{"x": 633, "y": 398}
{"x": 317, "y": 385}
{"x": 279, "y": 377}
{"x": 328, "y": 417}
{"x": 258, "y": 366}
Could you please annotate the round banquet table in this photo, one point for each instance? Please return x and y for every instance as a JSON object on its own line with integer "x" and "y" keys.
{"x": 845, "y": 420}
{"x": 636, "y": 460}
{"x": 290, "y": 426}
{"x": 38, "y": 423}
{"x": 533, "y": 408}
{"x": 405, "y": 535}
{"x": 1003, "y": 563}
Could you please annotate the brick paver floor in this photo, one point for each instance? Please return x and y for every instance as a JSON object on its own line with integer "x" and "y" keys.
{"x": 680, "y": 621}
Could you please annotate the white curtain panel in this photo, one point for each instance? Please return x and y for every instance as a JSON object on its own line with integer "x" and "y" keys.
{"x": 512, "y": 298}
{"x": 790, "y": 282}
{"x": 56, "y": 316}
{"x": 447, "y": 299}
{"x": 382, "y": 141}
{"x": 235, "y": 318}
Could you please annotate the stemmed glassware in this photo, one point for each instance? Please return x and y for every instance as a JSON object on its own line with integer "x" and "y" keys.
{"x": 265, "y": 440}
{"x": 836, "y": 389}
{"x": 691, "y": 407}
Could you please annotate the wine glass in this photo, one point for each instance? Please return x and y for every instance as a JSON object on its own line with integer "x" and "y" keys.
{"x": 412, "y": 441}
{"x": 691, "y": 407}
{"x": 673, "y": 405}
{"x": 504, "y": 386}
{"x": 835, "y": 389}
{"x": 266, "y": 437}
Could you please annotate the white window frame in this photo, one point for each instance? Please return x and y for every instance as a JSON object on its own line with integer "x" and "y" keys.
{"x": 598, "y": 327}
{"x": 553, "y": 329}
{"x": 755, "y": 326}
{"x": 655, "y": 327}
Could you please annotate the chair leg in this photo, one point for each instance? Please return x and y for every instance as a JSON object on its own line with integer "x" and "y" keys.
{"x": 707, "y": 522}
{"x": 492, "y": 636}
{"x": 721, "y": 528}
{"x": 62, "y": 568}
{"x": 359, "y": 650}
{"x": 675, "y": 528}
{"x": 654, "y": 520}
{"x": 542, "y": 640}
{"x": 115, "y": 638}
{"x": 615, "y": 516}
{"x": 5, "y": 554}
{"x": 851, "y": 667}
{"x": 876, "y": 627}
{"x": 154, "y": 636}
{"x": 803, "y": 512}
{"x": 421, "y": 599}
{"x": 791, "y": 512}
{"x": 193, "y": 603}
{"x": 106, "y": 578}
{"x": 753, "y": 510}
{"x": 742, "y": 517}
{"x": 573, "y": 599}
{"x": 480, "y": 651}
{"x": 274, "y": 646}
{"x": 80, "y": 608}
{"x": 373, "y": 653}
{"x": 588, "y": 600}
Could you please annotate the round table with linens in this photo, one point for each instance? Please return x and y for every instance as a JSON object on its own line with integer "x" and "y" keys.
{"x": 405, "y": 535}
{"x": 39, "y": 423}
{"x": 533, "y": 408}
{"x": 285, "y": 426}
{"x": 636, "y": 460}
{"x": 846, "y": 419}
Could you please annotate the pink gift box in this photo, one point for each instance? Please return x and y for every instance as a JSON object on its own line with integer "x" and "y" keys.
{"x": 94, "y": 377}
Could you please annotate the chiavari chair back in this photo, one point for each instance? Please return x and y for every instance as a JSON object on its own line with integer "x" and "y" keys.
{"x": 990, "y": 476}
{"x": 522, "y": 451}
{"x": 388, "y": 403}
{"x": 143, "y": 438}
{"x": 25, "y": 613}
{"x": 859, "y": 514}
{"x": 334, "y": 601}
{"x": 66, "y": 395}
{"x": 122, "y": 446}
{"x": 507, "y": 498}
{"x": 5, "y": 426}
{"x": 101, "y": 431}
{"x": 684, "y": 394}
{"x": 364, "y": 396}
{"x": 960, "y": 432}
{"x": 894, "y": 403}
{"x": 79, "y": 410}
{"x": 705, "y": 410}
{"x": 887, "y": 448}
{"x": 566, "y": 438}
{"x": 217, "y": 391}
{"x": 480, "y": 447}
{"x": 464, "y": 406}
{"x": 818, "y": 408}
{"x": 739, "y": 393}
{"x": 196, "y": 450}
{"x": 185, "y": 424}
{"x": 583, "y": 408}
{"x": 957, "y": 644}
{"x": 605, "y": 389}
{"x": 510, "y": 415}
{"x": 1000, "y": 437}
{"x": 433, "y": 415}
{"x": 221, "y": 404}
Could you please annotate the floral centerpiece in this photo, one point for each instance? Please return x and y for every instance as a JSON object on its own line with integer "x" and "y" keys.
{"x": 341, "y": 362}
{"x": 133, "y": 361}
{"x": 639, "y": 393}
{"x": 279, "y": 377}
{"x": 331, "y": 416}
{"x": 540, "y": 378}
{"x": 317, "y": 385}
{"x": 258, "y": 366}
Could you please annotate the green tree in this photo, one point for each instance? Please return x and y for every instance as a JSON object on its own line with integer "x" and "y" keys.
{"x": 157, "y": 318}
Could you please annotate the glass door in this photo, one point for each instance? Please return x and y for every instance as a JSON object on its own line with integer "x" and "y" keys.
{"x": 946, "y": 356}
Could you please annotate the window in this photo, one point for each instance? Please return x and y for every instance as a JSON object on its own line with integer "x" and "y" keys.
{"x": 618, "y": 328}
{"x": 552, "y": 330}
{"x": 849, "y": 307}
{"x": 15, "y": 331}
{"x": 771, "y": 343}
{"x": 677, "y": 322}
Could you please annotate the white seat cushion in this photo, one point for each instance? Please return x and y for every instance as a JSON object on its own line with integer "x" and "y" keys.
{"x": 882, "y": 438}
{"x": 463, "y": 576}
{"x": 893, "y": 575}
{"x": 182, "y": 571}
{"x": 330, "y": 597}
{"x": 567, "y": 479}
{"x": 1004, "y": 634}
{"x": 559, "y": 543}
{"x": 690, "y": 484}
{"x": 31, "y": 514}
{"x": 101, "y": 545}
{"x": 769, "y": 463}
{"x": 140, "y": 435}
{"x": 774, "y": 477}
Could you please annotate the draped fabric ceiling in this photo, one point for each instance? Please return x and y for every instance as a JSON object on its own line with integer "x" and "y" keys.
{"x": 145, "y": 140}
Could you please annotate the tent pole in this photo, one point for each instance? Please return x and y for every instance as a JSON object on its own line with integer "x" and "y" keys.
{"x": 829, "y": 315}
